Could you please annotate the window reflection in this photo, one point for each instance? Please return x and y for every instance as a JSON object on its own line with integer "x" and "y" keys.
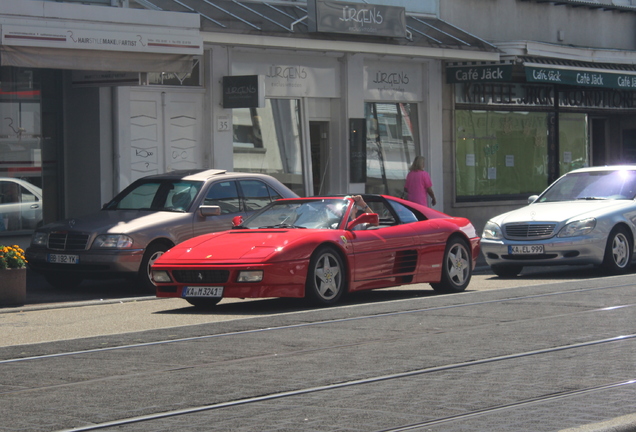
{"x": 20, "y": 150}
{"x": 391, "y": 136}
{"x": 268, "y": 140}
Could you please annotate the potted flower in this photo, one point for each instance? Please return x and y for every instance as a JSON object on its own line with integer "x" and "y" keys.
{"x": 12, "y": 275}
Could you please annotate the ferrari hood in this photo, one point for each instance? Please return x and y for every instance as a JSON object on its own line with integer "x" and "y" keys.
{"x": 558, "y": 211}
{"x": 233, "y": 245}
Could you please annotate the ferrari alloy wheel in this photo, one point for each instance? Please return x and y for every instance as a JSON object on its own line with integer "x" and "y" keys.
{"x": 618, "y": 252}
{"x": 153, "y": 252}
{"x": 456, "y": 267}
{"x": 326, "y": 277}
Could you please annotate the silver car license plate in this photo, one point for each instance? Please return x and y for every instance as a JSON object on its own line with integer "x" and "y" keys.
{"x": 63, "y": 259}
{"x": 525, "y": 249}
{"x": 202, "y": 291}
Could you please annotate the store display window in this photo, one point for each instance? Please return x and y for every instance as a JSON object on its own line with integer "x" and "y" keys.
{"x": 21, "y": 205}
{"x": 268, "y": 140}
{"x": 391, "y": 145}
{"x": 504, "y": 155}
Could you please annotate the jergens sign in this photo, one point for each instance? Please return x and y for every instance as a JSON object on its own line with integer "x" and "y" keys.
{"x": 356, "y": 18}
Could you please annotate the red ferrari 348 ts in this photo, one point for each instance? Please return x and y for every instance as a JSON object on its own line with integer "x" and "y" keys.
{"x": 320, "y": 248}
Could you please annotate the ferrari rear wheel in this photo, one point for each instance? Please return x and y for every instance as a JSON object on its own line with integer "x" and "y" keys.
{"x": 203, "y": 303}
{"x": 326, "y": 279}
{"x": 618, "y": 252}
{"x": 456, "y": 267}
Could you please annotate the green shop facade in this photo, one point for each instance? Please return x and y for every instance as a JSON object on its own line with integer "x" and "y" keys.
{"x": 516, "y": 127}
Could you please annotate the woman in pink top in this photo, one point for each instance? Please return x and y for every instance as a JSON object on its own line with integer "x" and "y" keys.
{"x": 418, "y": 183}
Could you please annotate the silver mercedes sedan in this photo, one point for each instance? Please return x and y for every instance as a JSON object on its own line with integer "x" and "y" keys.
{"x": 143, "y": 221}
{"x": 587, "y": 216}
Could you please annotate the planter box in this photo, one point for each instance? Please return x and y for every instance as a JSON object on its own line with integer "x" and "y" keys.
{"x": 12, "y": 287}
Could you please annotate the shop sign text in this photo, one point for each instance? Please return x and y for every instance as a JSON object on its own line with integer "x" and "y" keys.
{"x": 356, "y": 18}
{"x": 491, "y": 73}
{"x": 580, "y": 78}
{"x": 543, "y": 96}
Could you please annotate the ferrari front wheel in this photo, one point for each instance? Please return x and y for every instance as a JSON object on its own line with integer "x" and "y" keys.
{"x": 326, "y": 279}
{"x": 456, "y": 267}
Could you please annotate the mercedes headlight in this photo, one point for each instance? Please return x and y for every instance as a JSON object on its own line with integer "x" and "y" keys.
{"x": 115, "y": 241}
{"x": 578, "y": 228}
{"x": 492, "y": 231}
{"x": 39, "y": 239}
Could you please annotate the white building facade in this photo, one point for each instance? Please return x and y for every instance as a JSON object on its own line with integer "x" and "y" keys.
{"x": 117, "y": 90}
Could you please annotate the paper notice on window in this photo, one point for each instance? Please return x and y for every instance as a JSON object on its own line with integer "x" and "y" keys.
{"x": 470, "y": 160}
{"x": 492, "y": 173}
{"x": 510, "y": 160}
{"x": 567, "y": 157}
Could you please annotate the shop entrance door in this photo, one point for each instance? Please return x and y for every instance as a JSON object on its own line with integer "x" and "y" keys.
{"x": 629, "y": 146}
{"x": 319, "y": 143}
{"x": 598, "y": 141}
{"x": 165, "y": 130}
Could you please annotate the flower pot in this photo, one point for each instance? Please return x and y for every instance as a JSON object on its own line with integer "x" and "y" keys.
{"x": 12, "y": 287}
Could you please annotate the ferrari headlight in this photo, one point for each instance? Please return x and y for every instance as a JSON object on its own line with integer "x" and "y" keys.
{"x": 39, "y": 239}
{"x": 250, "y": 276}
{"x": 492, "y": 231}
{"x": 161, "y": 276}
{"x": 578, "y": 228}
{"x": 115, "y": 241}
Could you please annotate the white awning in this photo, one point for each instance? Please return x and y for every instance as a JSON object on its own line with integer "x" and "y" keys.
{"x": 83, "y": 37}
{"x": 93, "y": 60}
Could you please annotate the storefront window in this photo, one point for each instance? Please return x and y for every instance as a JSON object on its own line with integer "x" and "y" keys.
{"x": 500, "y": 155}
{"x": 268, "y": 141}
{"x": 573, "y": 142}
{"x": 20, "y": 151}
{"x": 391, "y": 136}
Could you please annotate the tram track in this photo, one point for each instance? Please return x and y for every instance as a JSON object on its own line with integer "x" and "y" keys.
{"x": 322, "y": 323}
{"x": 229, "y": 373}
{"x": 396, "y": 376}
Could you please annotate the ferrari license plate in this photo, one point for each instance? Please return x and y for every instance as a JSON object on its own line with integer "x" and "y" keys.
{"x": 525, "y": 249}
{"x": 63, "y": 259}
{"x": 202, "y": 291}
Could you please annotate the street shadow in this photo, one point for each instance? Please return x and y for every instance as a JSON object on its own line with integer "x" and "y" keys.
{"x": 273, "y": 306}
{"x": 40, "y": 292}
{"x": 558, "y": 273}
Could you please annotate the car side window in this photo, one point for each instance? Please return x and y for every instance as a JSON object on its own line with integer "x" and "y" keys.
{"x": 225, "y": 195}
{"x": 257, "y": 194}
{"x": 404, "y": 213}
{"x": 9, "y": 192}
{"x": 27, "y": 196}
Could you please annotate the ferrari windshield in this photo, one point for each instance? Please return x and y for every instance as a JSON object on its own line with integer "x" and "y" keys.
{"x": 156, "y": 195}
{"x": 315, "y": 214}
{"x": 593, "y": 185}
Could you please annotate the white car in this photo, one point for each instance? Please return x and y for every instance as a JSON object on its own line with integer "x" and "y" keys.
{"x": 587, "y": 216}
{"x": 20, "y": 205}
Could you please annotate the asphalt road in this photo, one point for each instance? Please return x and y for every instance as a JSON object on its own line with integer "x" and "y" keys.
{"x": 550, "y": 350}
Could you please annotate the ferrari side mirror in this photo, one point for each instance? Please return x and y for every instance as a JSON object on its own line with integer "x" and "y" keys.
{"x": 368, "y": 218}
{"x": 237, "y": 220}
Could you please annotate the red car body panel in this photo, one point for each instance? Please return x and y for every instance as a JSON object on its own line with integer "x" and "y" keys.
{"x": 374, "y": 258}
